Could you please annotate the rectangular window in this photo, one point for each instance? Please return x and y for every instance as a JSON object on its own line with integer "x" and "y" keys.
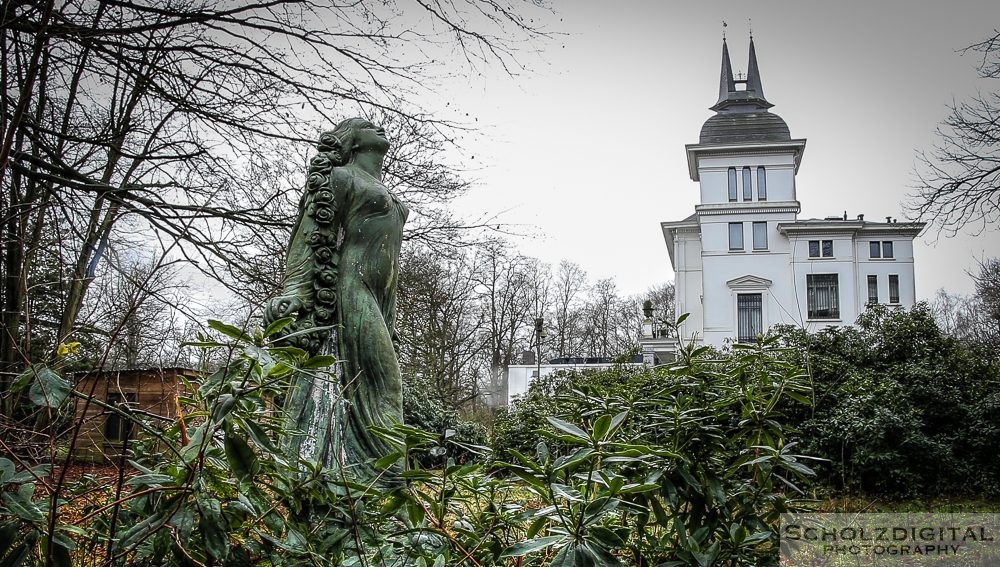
{"x": 822, "y": 296}
{"x": 821, "y": 248}
{"x": 732, "y": 183}
{"x": 872, "y": 289}
{"x": 760, "y": 236}
{"x": 747, "y": 187}
{"x": 874, "y": 249}
{"x": 736, "y": 236}
{"x": 761, "y": 184}
{"x": 878, "y": 249}
{"x": 749, "y": 307}
{"x": 893, "y": 288}
{"x": 117, "y": 428}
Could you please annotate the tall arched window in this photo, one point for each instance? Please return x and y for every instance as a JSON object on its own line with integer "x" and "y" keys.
{"x": 747, "y": 187}
{"x": 732, "y": 183}
{"x": 761, "y": 184}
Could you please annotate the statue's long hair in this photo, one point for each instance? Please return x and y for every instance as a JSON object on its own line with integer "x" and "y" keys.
{"x": 314, "y": 327}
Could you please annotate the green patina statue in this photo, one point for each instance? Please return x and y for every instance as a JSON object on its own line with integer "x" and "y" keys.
{"x": 340, "y": 288}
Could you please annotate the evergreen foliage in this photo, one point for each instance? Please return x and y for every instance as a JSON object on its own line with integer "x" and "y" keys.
{"x": 684, "y": 466}
{"x": 901, "y": 409}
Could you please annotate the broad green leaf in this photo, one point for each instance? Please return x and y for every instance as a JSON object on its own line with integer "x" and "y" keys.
{"x": 64, "y": 541}
{"x": 261, "y": 356}
{"x": 49, "y": 389}
{"x": 598, "y": 555}
{"x": 567, "y": 492}
{"x": 154, "y": 479}
{"x": 277, "y": 326}
{"x": 222, "y": 407}
{"x": 320, "y": 361}
{"x": 240, "y": 456}
{"x": 601, "y": 427}
{"x": 525, "y": 547}
{"x": 388, "y": 460}
{"x": 22, "y": 506}
{"x": 229, "y": 330}
{"x": 6, "y": 470}
{"x": 258, "y": 435}
{"x": 213, "y": 528}
{"x": 141, "y": 531}
{"x": 8, "y": 532}
{"x": 22, "y": 380}
{"x": 799, "y": 398}
{"x": 573, "y": 459}
{"x": 415, "y": 512}
{"x": 568, "y": 427}
{"x": 15, "y": 556}
{"x": 536, "y": 526}
{"x": 567, "y": 557}
{"x": 542, "y": 452}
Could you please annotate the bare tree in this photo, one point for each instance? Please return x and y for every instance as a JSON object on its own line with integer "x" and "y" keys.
{"x": 503, "y": 286}
{"x": 959, "y": 179}
{"x": 570, "y": 284}
{"x": 438, "y": 323}
{"x": 132, "y": 315}
{"x": 947, "y": 310}
{"x": 183, "y": 116}
{"x": 974, "y": 318}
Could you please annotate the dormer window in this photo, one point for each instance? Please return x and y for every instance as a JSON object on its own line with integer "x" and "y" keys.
{"x": 761, "y": 184}
{"x": 747, "y": 185}
{"x": 732, "y": 183}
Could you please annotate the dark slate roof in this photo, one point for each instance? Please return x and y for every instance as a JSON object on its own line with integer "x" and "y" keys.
{"x": 749, "y": 127}
{"x": 741, "y": 114}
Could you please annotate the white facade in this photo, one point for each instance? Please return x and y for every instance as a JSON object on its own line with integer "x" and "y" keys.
{"x": 744, "y": 261}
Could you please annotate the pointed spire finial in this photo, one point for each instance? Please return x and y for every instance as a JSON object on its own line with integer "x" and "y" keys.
{"x": 723, "y": 31}
{"x": 753, "y": 73}
{"x": 750, "y": 26}
{"x": 726, "y": 83}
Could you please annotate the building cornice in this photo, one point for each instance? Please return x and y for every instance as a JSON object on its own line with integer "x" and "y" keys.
{"x": 855, "y": 227}
{"x": 688, "y": 225}
{"x": 748, "y": 207}
{"x": 695, "y": 151}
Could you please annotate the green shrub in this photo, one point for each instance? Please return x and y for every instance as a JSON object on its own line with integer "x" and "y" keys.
{"x": 901, "y": 409}
{"x": 683, "y": 466}
{"x": 426, "y": 413}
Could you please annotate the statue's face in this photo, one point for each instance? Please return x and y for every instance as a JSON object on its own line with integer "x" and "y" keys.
{"x": 368, "y": 136}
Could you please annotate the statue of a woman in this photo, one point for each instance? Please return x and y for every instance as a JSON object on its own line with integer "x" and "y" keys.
{"x": 340, "y": 287}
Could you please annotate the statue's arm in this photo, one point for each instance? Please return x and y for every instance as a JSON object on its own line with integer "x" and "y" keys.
{"x": 296, "y": 289}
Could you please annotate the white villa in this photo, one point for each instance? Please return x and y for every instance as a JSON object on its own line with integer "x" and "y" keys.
{"x": 744, "y": 261}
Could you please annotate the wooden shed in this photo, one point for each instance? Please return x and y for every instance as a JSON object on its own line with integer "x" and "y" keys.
{"x": 153, "y": 391}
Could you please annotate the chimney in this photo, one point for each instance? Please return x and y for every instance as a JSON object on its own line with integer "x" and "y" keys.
{"x": 888, "y": 220}
{"x": 861, "y": 217}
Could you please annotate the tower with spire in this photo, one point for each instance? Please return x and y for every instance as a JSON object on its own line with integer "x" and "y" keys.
{"x": 743, "y": 261}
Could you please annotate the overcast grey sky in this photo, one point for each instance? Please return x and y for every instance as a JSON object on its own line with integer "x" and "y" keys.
{"x": 589, "y": 146}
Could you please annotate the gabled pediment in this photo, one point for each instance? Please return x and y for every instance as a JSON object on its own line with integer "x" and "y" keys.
{"x": 749, "y": 282}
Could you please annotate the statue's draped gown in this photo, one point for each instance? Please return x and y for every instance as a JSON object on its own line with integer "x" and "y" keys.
{"x": 333, "y": 412}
